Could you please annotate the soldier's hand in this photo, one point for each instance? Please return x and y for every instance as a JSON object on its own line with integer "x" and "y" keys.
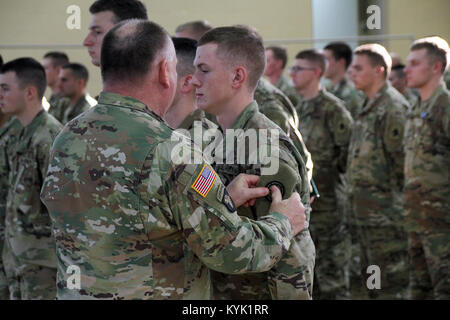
{"x": 292, "y": 208}
{"x": 244, "y": 191}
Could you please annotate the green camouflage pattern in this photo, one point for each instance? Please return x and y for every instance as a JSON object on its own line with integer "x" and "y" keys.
{"x": 64, "y": 111}
{"x": 29, "y": 248}
{"x": 352, "y": 97}
{"x": 375, "y": 178}
{"x": 411, "y": 97}
{"x": 326, "y": 127}
{"x": 120, "y": 194}
{"x": 292, "y": 276}
{"x": 286, "y": 86}
{"x": 8, "y": 136}
{"x": 198, "y": 117}
{"x": 447, "y": 78}
{"x": 427, "y": 195}
{"x": 277, "y": 107}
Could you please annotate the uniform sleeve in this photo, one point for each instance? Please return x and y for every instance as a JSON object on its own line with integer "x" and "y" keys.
{"x": 393, "y": 142}
{"x": 340, "y": 125}
{"x": 206, "y": 214}
{"x": 277, "y": 114}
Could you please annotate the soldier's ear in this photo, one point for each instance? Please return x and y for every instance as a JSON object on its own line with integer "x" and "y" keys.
{"x": 163, "y": 72}
{"x": 30, "y": 93}
{"x": 186, "y": 85}
{"x": 239, "y": 77}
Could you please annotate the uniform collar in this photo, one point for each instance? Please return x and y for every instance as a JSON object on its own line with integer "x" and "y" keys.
{"x": 369, "y": 103}
{"x": 245, "y": 115}
{"x": 441, "y": 88}
{"x": 30, "y": 129}
{"x": 115, "y": 99}
{"x": 196, "y": 115}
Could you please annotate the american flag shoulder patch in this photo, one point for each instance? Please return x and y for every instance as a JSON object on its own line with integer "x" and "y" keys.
{"x": 204, "y": 181}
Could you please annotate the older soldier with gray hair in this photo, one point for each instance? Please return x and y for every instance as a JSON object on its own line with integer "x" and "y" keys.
{"x": 138, "y": 218}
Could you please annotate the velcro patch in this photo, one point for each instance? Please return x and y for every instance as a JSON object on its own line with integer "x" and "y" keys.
{"x": 204, "y": 181}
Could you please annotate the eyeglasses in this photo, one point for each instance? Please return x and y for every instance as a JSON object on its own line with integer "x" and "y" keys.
{"x": 295, "y": 69}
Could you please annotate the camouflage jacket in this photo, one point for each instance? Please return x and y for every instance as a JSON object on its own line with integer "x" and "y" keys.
{"x": 288, "y": 89}
{"x": 411, "y": 97}
{"x": 67, "y": 111}
{"x": 197, "y": 124}
{"x": 138, "y": 218}
{"x": 376, "y": 157}
{"x": 277, "y": 107}
{"x": 326, "y": 126}
{"x": 352, "y": 97}
{"x": 28, "y": 228}
{"x": 8, "y": 136}
{"x": 427, "y": 163}
{"x": 291, "y": 278}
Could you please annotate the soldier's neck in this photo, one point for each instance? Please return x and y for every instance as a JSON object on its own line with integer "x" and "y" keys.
{"x": 310, "y": 92}
{"x": 273, "y": 78}
{"x": 27, "y": 115}
{"x": 337, "y": 78}
{"x": 231, "y": 112}
{"x": 373, "y": 90}
{"x": 74, "y": 99}
{"x": 427, "y": 90}
{"x": 179, "y": 111}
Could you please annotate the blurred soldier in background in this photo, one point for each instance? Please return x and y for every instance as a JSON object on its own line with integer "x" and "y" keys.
{"x": 192, "y": 29}
{"x": 397, "y": 77}
{"x": 73, "y": 79}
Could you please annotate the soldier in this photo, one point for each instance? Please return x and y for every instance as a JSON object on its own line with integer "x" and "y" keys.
{"x": 129, "y": 208}
{"x": 276, "y": 62}
{"x": 105, "y": 14}
{"x": 427, "y": 154}
{"x": 325, "y": 125}
{"x": 193, "y": 29}
{"x": 52, "y": 63}
{"x": 397, "y": 77}
{"x": 183, "y": 113}
{"x": 375, "y": 173}
{"x": 29, "y": 248}
{"x": 8, "y": 136}
{"x": 73, "y": 79}
{"x": 229, "y": 62}
{"x": 339, "y": 58}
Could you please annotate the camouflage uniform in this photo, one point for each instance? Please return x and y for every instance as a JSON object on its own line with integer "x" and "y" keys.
{"x": 447, "y": 78}
{"x": 411, "y": 97}
{"x": 292, "y": 277}
{"x": 198, "y": 118}
{"x": 288, "y": 89}
{"x": 325, "y": 125}
{"x": 29, "y": 249}
{"x": 8, "y": 136}
{"x": 277, "y": 107}
{"x": 128, "y": 211}
{"x": 64, "y": 111}
{"x": 354, "y": 100}
{"x": 352, "y": 97}
{"x": 375, "y": 176}
{"x": 427, "y": 195}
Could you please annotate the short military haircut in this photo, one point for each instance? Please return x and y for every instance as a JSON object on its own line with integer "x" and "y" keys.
{"x": 185, "y": 49}
{"x": 198, "y": 28}
{"x": 122, "y": 9}
{"x": 378, "y": 56}
{"x": 313, "y": 56}
{"x": 399, "y": 69}
{"x": 239, "y": 46}
{"x": 279, "y": 53}
{"x": 28, "y": 72}
{"x": 436, "y": 47}
{"x": 78, "y": 71}
{"x": 129, "y": 49}
{"x": 58, "y": 58}
{"x": 340, "y": 50}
